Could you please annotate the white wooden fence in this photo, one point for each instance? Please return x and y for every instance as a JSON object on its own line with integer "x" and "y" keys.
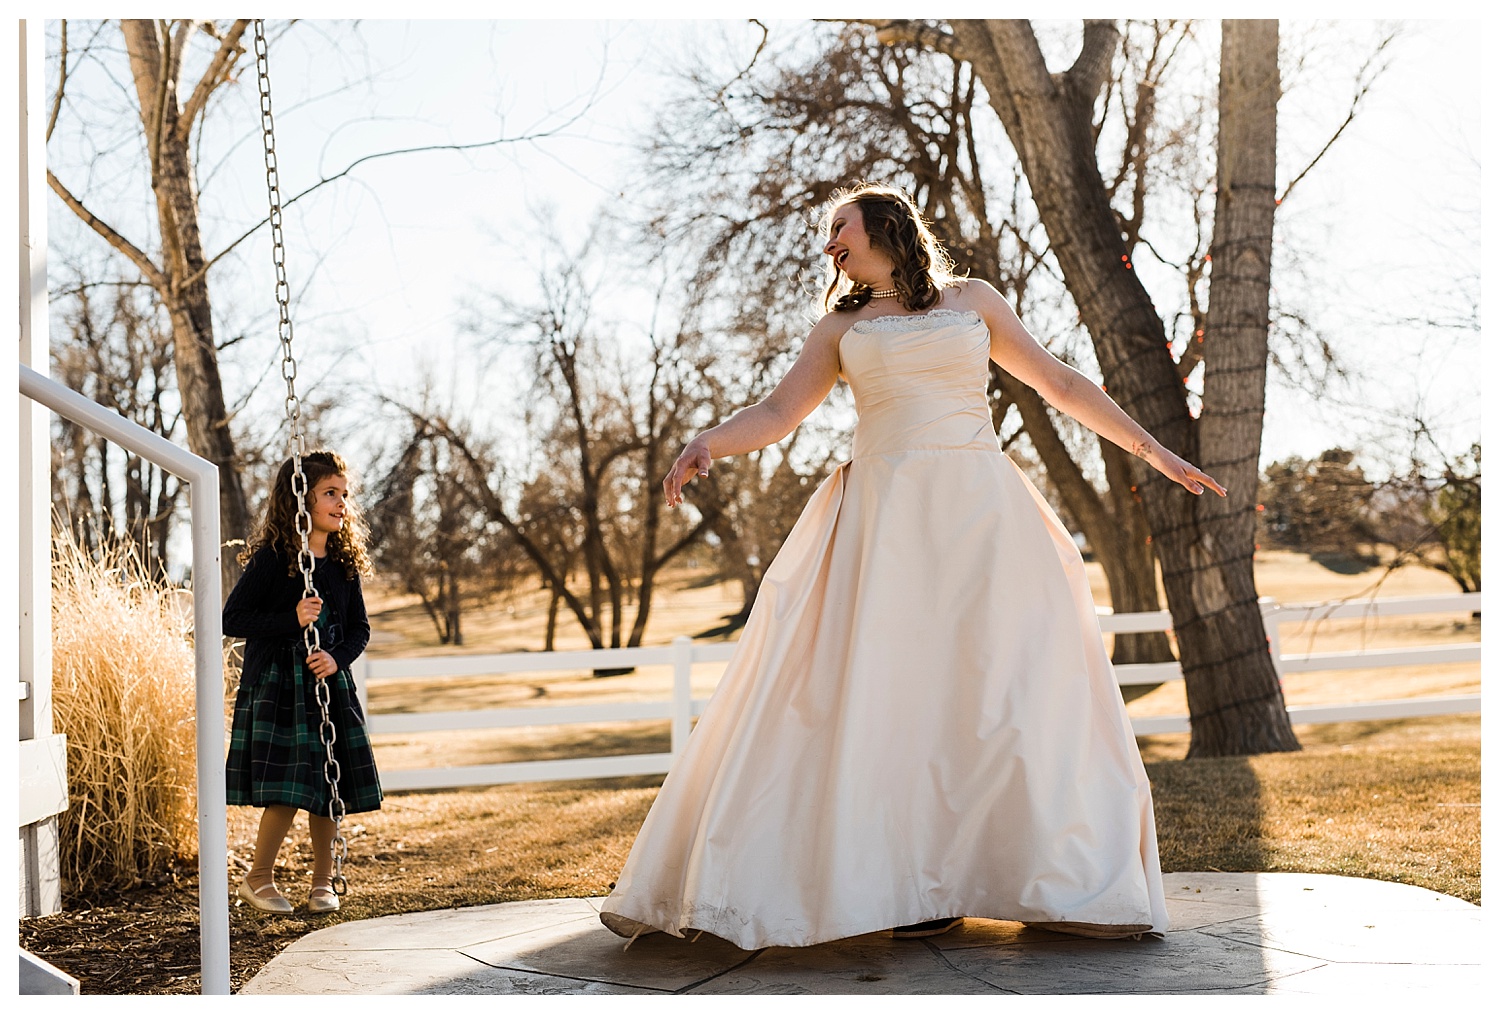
{"x": 682, "y": 707}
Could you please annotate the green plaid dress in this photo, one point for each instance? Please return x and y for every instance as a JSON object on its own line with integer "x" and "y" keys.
{"x": 275, "y": 753}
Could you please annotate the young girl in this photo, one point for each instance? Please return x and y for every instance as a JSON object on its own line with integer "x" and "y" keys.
{"x": 276, "y": 755}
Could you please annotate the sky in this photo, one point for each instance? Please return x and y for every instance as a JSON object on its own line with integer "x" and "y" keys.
{"x": 388, "y": 262}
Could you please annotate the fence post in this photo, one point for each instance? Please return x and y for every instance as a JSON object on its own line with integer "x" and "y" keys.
{"x": 682, "y": 693}
{"x": 1270, "y": 618}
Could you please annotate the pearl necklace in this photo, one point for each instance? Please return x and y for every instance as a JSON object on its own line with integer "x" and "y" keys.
{"x": 883, "y": 293}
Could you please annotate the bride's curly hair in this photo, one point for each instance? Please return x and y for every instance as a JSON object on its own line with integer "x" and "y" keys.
{"x": 896, "y": 228}
{"x": 278, "y": 526}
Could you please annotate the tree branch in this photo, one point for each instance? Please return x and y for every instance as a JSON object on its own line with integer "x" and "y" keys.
{"x": 706, "y": 519}
{"x": 62, "y": 79}
{"x": 1010, "y": 63}
{"x": 218, "y": 69}
{"x": 164, "y": 81}
{"x": 1089, "y": 70}
{"x": 539, "y": 135}
{"x": 154, "y": 275}
{"x": 1367, "y": 78}
{"x": 765, "y": 35}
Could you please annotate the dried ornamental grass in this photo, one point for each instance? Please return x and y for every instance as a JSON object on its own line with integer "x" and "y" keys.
{"x": 123, "y": 693}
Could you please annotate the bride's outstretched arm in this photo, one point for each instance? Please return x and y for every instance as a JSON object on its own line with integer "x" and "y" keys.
{"x": 803, "y": 389}
{"x": 1067, "y": 390}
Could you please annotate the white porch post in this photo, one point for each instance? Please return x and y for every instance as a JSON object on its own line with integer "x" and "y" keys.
{"x": 42, "y": 757}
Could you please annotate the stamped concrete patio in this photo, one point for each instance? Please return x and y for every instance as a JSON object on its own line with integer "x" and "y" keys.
{"x": 1254, "y": 933}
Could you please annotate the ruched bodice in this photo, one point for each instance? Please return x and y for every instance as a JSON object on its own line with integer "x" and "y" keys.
{"x": 919, "y": 382}
{"x": 920, "y": 720}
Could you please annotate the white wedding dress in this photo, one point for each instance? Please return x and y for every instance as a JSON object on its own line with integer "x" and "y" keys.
{"x": 920, "y": 720}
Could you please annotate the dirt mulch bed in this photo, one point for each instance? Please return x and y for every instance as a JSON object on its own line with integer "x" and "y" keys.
{"x": 1387, "y": 800}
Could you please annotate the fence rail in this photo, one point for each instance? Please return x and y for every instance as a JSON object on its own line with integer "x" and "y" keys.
{"x": 208, "y": 662}
{"x": 682, "y": 707}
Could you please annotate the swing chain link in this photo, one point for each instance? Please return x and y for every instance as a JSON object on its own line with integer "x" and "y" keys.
{"x": 303, "y": 523}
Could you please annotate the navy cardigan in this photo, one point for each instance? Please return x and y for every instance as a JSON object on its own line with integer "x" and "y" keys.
{"x": 263, "y": 610}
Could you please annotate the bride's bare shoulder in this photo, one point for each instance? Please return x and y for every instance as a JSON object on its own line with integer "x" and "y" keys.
{"x": 825, "y": 334}
{"x": 969, "y": 294}
{"x": 832, "y": 325}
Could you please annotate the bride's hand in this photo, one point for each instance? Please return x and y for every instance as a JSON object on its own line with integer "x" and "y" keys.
{"x": 693, "y": 461}
{"x": 1186, "y": 474}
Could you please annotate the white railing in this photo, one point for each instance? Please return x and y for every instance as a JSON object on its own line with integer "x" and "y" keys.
{"x": 682, "y": 707}
{"x": 208, "y": 661}
{"x": 1276, "y": 615}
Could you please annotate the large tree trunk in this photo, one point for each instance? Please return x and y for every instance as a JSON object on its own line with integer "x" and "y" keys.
{"x": 1205, "y": 550}
{"x": 1236, "y": 712}
{"x": 156, "y": 69}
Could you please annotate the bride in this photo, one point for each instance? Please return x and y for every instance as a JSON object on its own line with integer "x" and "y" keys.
{"x": 920, "y": 722}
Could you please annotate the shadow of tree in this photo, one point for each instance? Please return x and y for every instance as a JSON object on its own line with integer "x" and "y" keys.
{"x": 1209, "y": 815}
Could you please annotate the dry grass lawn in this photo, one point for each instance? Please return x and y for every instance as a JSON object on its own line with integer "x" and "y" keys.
{"x": 1395, "y": 800}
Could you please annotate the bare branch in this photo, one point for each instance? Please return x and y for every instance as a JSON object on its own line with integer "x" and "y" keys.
{"x": 62, "y": 79}
{"x": 158, "y": 115}
{"x": 890, "y": 31}
{"x": 218, "y": 70}
{"x": 1366, "y": 79}
{"x": 765, "y": 35}
{"x": 495, "y": 142}
{"x": 180, "y": 39}
{"x": 83, "y": 288}
{"x": 153, "y": 274}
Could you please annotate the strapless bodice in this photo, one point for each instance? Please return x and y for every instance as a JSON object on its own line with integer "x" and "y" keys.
{"x": 919, "y": 382}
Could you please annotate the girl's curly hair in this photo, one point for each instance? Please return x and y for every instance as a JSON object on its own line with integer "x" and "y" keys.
{"x": 896, "y": 228}
{"x": 278, "y": 527}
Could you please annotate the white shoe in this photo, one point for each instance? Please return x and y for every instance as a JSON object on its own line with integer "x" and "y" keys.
{"x": 623, "y": 926}
{"x": 321, "y": 899}
{"x": 267, "y": 899}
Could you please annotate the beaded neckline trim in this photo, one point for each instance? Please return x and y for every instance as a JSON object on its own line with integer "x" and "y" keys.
{"x": 903, "y": 321}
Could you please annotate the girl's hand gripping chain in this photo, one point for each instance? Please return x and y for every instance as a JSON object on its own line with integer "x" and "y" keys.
{"x": 308, "y": 610}
{"x": 322, "y": 665}
{"x": 319, "y": 663}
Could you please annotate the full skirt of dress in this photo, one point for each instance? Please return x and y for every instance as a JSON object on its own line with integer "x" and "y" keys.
{"x": 920, "y": 721}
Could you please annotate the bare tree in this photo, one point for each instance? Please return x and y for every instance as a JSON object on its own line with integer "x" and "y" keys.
{"x": 426, "y": 531}
{"x": 1457, "y": 518}
{"x": 1319, "y": 506}
{"x": 113, "y": 347}
{"x": 1431, "y": 516}
{"x": 178, "y": 273}
{"x": 604, "y": 432}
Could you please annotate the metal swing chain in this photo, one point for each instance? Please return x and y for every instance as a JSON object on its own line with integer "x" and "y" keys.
{"x": 305, "y": 561}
